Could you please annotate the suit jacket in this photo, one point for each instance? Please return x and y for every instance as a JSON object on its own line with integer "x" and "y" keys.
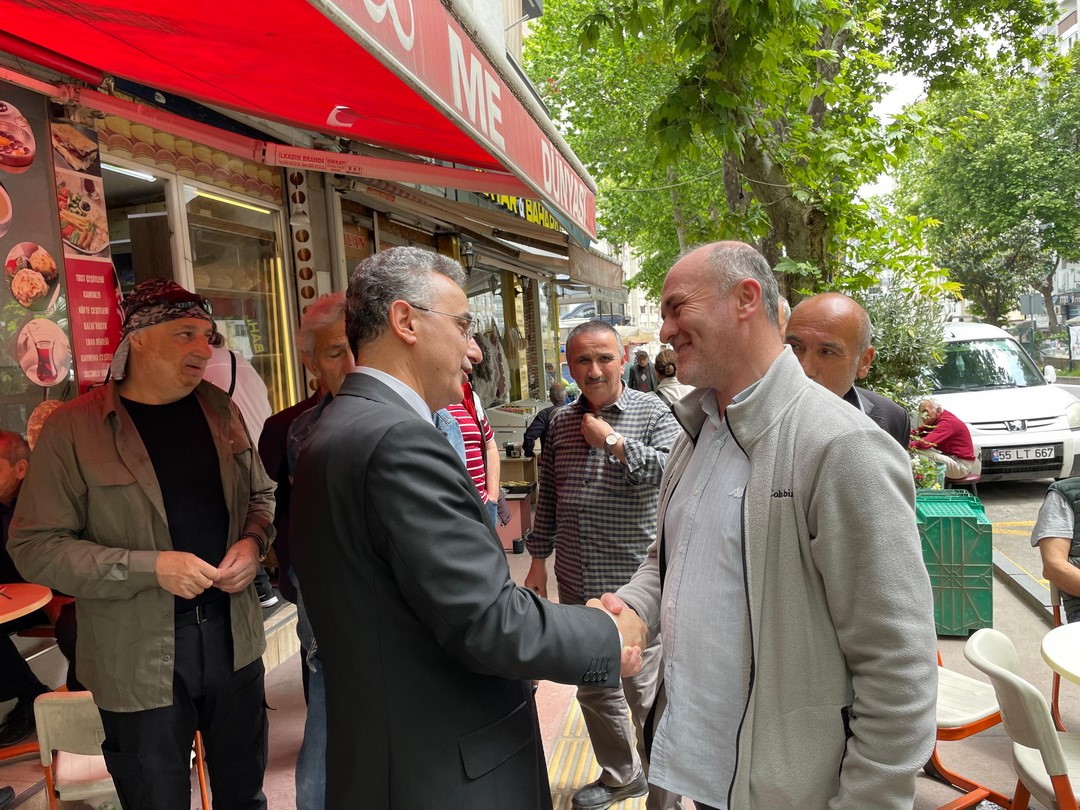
{"x": 273, "y": 452}
{"x": 889, "y": 416}
{"x": 425, "y": 640}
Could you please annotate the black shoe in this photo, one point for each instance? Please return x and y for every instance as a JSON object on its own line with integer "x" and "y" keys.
{"x": 7, "y": 797}
{"x": 19, "y": 723}
{"x": 598, "y": 796}
{"x": 267, "y": 597}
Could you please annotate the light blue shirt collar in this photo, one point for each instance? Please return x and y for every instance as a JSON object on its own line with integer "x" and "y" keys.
{"x": 399, "y": 388}
{"x": 712, "y": 410}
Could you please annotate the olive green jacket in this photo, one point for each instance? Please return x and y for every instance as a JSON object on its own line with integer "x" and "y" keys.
{"x": 91, "y": 521}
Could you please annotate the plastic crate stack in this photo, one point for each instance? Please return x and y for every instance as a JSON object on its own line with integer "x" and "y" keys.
{"x": 957, "y": 547}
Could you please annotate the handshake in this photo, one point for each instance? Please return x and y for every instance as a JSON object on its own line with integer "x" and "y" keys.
{"x": 635, "y": 635}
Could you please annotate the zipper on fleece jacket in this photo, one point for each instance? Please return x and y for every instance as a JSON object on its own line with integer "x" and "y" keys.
{"x": 749, "y": 624}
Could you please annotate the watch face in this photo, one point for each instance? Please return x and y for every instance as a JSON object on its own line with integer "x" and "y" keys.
{"x": 612, "y": 439}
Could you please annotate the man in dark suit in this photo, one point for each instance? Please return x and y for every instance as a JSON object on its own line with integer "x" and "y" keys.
{"x": 427, "y": 644}
{"x": 831, "y": 336}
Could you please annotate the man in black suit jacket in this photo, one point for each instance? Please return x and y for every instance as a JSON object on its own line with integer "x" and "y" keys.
{"x": 831, "y": 335}
{"x": 428, "y": 645}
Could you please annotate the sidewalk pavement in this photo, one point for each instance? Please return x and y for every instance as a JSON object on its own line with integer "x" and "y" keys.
{"x": 984, "y": 758}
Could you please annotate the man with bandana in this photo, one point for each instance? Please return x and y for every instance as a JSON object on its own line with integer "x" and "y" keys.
{"x": 148, "y": 504}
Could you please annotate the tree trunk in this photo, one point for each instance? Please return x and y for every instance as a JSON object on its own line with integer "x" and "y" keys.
{"x": 1047, "y": 290}
{"x": 801, "y": 228}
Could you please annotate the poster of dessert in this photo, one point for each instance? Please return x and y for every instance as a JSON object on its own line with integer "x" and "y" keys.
{"x": 32, "y": 288}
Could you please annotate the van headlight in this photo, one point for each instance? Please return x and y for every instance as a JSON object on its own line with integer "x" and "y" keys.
{"x": 1072, "y": 413}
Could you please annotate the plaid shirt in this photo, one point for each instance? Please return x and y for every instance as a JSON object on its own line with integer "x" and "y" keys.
{"x": 599, "y": 512}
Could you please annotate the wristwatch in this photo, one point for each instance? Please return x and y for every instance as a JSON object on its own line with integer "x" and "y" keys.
{"x": 610, "y": 441}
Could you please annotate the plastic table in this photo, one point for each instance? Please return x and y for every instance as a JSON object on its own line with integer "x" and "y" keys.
{"x": 1061, "y": 651}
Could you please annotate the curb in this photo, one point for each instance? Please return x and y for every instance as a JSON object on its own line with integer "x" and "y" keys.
{"x": 1031, "y": 592}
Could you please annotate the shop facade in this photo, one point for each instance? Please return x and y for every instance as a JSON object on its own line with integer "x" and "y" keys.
{"x": 261, "y": 215}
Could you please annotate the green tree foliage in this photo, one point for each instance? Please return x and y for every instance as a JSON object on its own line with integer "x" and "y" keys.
{"x": 1002, "y": 182}
{"x": 753, "y": 119}
{"x": 908, "y": 337}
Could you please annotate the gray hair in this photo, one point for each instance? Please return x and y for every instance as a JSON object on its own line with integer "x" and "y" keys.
{"x": 13, "y": 447}
{"x": 397, "y": 274}
{"x": 732, "y": 262}
{"x": 933, "y": 403}
{"x": 596, "y": 327}
{"x": 557, "y": 394}
{"x": 323, "y": 314}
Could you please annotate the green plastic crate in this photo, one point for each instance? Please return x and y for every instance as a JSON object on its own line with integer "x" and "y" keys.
{"x": 957, "y": 546}
{"x": 925, "y": 496}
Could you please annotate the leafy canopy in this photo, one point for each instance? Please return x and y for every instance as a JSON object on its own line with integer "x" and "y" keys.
{"x": 1002, "y": 182}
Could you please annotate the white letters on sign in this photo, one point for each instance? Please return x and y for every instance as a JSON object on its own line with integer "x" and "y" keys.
{"x": 480, "y": 89}
{"x": 562, "y": 183}
{"x": 378, "y": 12}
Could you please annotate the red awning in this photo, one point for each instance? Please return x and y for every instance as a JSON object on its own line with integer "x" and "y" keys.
{"x": 283, "y": 60}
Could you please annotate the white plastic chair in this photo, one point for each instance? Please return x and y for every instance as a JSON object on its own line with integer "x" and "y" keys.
{"x": 1046, "y": 760}
{"x": 965, "y": 706}
{"x": 69, "y": 724}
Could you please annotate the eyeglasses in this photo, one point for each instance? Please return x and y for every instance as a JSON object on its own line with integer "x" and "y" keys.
{"x": 466, "y": 323}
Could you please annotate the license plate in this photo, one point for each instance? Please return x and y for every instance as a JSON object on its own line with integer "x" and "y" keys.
{"x": 1022, "y": 453}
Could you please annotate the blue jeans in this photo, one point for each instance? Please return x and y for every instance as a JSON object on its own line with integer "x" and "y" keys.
{"x": 311, "y": 761}
{"x": 493, "y": 512}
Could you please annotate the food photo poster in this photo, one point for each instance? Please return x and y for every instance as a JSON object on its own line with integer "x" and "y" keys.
{"x": 92, "y": 291}
{"x": 35, "y": 351}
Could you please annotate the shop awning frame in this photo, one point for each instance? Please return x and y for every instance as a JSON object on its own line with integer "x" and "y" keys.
{"x": 423, "y": 81}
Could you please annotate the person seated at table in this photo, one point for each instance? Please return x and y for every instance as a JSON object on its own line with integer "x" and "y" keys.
{"x": 17, "y": 680}
{"x": 944, "y": 438}
{"x": 538, "y": 427}
{"x": 1056, "y": 536}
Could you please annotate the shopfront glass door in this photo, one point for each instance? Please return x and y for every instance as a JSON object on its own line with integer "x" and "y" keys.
{"x": 236, "y": 260}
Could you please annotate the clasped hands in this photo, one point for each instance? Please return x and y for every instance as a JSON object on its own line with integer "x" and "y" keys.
{"x": 635, "y": 634}
{"x": 185, "y": 575}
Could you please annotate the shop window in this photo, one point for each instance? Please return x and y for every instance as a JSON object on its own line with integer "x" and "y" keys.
{"x": 139, "y": 232}
{"x": 237, "y": 263}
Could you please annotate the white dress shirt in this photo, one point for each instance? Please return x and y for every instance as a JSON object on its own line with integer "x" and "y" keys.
{"x": 703, "y": 619}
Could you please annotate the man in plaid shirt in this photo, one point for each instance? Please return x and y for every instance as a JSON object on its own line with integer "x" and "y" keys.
{"x": 600, "y": 473}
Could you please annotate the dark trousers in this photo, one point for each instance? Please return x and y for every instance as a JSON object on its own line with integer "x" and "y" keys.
{"x": 149, "y": 752}
{"x": 701, "y": 806}
{"x": 17, "y": 680}
{"x": 66, "y": 637}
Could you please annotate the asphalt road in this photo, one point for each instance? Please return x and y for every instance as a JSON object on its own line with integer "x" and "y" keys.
{"x": 1012, "y": 507}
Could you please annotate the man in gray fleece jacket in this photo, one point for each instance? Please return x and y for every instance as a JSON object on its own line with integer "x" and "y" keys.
{"x": 796, "y": 612}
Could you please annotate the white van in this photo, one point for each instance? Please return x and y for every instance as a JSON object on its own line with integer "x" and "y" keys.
{"x": 1022, "y": 426}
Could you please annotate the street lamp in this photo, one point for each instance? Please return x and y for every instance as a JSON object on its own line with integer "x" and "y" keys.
{"x": 468, "y": 257}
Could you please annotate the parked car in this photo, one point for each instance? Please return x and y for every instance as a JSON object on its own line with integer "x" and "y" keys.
{"x": 587, "y": 312}
{"x": 1023, "y": 427}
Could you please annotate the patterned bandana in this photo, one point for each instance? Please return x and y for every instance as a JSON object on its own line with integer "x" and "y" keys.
{"x": 154, "y": 301}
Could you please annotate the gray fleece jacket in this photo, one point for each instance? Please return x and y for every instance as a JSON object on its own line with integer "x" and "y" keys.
{"x": 840, "y": 663}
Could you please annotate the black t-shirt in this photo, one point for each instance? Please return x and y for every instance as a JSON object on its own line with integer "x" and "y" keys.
{"x": 8, "y": 571}
{"x": 181, "y": 448}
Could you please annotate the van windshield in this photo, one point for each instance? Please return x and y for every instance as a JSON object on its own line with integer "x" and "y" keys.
{"x": 979, "y": 365}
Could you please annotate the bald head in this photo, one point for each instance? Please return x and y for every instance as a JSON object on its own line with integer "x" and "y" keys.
{"x": 830, "y": 334}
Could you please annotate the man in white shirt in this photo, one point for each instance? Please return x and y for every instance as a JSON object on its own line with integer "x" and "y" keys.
{"x": 787, "y": 580}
